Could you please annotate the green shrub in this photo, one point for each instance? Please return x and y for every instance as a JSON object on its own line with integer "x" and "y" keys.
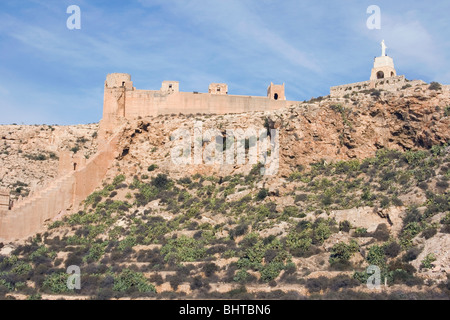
{"x": 242, "y": 276}
{"x": 56, "y": 282}
{"x": 376, "y": 256}
{"x": 75, "y": 149}
{"x": 427, "y": 262}
{"x": 342, "y": 252}
{"x": 55, "y": 225}
{"x": 152, "y": 167}
{"x": 161, "y": 181}
{"x": 183, "y": 249}
{"x": 295, "y": 241}
{"x": 129, "y": 280}
{"x": 271, "y": 270}
{"x": 290, "y": 211}
{"x": 118, "y": 180}
{"x": 447, "y": 111}
{"x": 21, "y": 268}
{"x": 96, "y": 251}
{"x": 262, "y": 194}
{"x": 360, "y": 232}
{"x": 127, "y": 243}
{"x": 321, "y": 232}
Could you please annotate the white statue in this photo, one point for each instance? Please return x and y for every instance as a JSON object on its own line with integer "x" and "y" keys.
{"x": 383, "y": 48}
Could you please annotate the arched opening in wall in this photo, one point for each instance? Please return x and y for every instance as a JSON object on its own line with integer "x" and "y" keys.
{"x": 380, "y": 75}
{"x": 123, "y": 84}
{"x": 74, "y": 167}
{"x": 275, "y": 96}
{"x": 392, "y": 74}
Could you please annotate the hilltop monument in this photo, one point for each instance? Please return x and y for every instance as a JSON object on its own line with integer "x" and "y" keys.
{"x": 383, "y": 77}
{"x": 383, "y": 66}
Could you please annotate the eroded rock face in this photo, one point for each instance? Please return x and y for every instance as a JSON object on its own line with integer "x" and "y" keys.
{"x": 330, "y": 130}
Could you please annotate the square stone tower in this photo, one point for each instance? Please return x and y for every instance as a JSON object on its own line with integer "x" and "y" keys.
{"x": 170, "y": 86}
{"x": 276, "y": 92}
{"x": 218, "y": 88}
{"x": 383, "y": 67}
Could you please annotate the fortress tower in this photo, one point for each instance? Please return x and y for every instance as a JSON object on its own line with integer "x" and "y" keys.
{"x": 218, "y": 88}
{"x": 383, "y": 66}
{"x": 276, "y": 92}
{"x": 114, "y": 100}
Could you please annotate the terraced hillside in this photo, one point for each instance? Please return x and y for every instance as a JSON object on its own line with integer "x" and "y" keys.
{"x": 310, "y": 235}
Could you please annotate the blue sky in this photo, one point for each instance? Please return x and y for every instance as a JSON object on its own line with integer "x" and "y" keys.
{"x": 50, "y": 74}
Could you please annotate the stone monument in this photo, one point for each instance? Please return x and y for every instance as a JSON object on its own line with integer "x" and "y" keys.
{"x": 383, "y": 66}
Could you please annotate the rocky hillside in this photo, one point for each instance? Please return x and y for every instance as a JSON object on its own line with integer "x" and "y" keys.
{"x": 320, "y": 130}
{"x": 29, "y": 154}
{"x": 362, "y": 181}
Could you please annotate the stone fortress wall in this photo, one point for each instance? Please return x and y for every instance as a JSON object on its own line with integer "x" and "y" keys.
{"x": 388, "y": 84}
{"x": 77, "y": 180}
{"x": 123, "y": 100}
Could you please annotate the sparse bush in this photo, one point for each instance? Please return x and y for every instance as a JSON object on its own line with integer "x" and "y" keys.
{"x": 317, "y": 284}
{"x": 210, "y": 269}
{"x": 442, "y": 184}
{"x": 361, "y": 232}
{"x": 435, "y": 86}
{"x": 427, "y": 263}
{"x": 240, "y": 230}
{"x": 392, "y": 249}
{"x": 447, "y": 111}
{"x": 412, "y": 254}
{"x": 342, "y": 282}
{"x": 290, "y": 211}
{"x": 161, "y": 181}
{"x": 381, "y": 233}
{"x": 262, "y": 194}
{"x": 429, "y": 233}
{"x": 345, "y": 226}
{"x": 301, "y": 197}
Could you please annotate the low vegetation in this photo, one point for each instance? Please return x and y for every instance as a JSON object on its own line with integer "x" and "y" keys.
{"x": 198, "y": 237}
